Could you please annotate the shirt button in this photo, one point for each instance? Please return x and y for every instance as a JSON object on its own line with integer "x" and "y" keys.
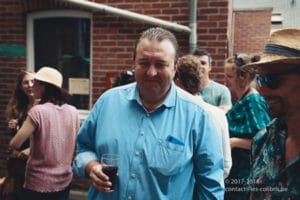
{"x": 137, "y": 153}
{"x": 129, "y": 197}
{"x": 133, "y": 175}
{"x": 142, "y": 133}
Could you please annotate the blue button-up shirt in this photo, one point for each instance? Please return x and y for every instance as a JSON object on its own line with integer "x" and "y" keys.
{"x": 172, "y": 152}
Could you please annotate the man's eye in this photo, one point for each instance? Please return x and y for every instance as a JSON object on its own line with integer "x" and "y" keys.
{"x": 144, "y": 64}
{"x": 161, "y": 65}
{"x": 156, "y": 65}
{"x": 203, "y": 63}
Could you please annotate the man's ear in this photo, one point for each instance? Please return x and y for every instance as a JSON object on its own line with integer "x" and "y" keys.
{"x": 175, "y": 67}
{"x": 209, "y": 65}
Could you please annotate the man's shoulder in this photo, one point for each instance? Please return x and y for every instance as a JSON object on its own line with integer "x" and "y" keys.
{"x": 119, "y": 90}
{"x": 217, "y": 85}
{"x": 263, "y": 138}
{"x": 184, "y": 96}
{"x": 189, "y": 99}
{"x": 213, "y": 109}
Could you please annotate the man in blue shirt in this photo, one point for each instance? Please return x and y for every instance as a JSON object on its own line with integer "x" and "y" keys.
{"x": 168, "y": 146}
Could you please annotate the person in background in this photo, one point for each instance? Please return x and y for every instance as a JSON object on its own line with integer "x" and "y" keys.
{"x": 275, "y": 157}
{"x": 163, "y": 137}
{"x": 52, "y": 127}
{"x": 124, "y": 78}
{"x": 190, "y": 78}
{"x": 20, "y": 102}
{"x": 246, "y": 117}
{"x": 212, "y": 92}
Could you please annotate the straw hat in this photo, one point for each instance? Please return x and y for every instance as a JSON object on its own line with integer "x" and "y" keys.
{"x": 283, "y": 47}
{"x": 49, "y": 75}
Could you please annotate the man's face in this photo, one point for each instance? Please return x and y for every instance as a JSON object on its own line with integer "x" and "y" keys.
{"x": 204, "y": 63}
{"x": 154, "y": 68}
{"x": 284, "y": 98}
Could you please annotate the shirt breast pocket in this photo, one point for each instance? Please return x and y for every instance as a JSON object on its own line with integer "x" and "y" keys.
{"x": 166, "y": 157}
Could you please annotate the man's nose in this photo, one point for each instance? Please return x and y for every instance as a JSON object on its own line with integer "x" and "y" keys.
{"x": 151, "y": 71}
{"x": 263, "y": 89}
{"x": 225, "y": 80}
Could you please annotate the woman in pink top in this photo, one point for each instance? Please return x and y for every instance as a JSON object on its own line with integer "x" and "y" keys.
{"x": 52, "y": 127}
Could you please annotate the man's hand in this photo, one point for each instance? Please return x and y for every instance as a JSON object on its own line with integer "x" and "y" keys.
{"x": 99, "y": 180}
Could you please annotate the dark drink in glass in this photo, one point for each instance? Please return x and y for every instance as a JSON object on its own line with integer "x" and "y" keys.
{"x": 111, "y": 171}
{"x": 110, "y": 163}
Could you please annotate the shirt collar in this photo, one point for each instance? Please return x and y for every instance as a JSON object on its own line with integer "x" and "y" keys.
{"x": 168, "y": 102}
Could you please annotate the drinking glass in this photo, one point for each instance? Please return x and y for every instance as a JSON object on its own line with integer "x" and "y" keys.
{"x": 110, "y": 163}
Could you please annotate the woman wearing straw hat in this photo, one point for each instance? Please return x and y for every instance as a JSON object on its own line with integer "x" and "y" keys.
{"x": 52, "y": 127}
{"x": 275, "y": 169}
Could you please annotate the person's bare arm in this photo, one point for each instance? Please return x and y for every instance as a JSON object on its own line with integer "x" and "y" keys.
{"x": 240, "y": 143}
{"x": 23, "y": 133}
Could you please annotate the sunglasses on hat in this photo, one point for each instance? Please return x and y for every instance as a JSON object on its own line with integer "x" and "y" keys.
{"x": 273, "y": 81}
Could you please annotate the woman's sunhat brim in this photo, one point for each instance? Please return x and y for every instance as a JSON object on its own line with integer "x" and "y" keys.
{"x": 62, "y": 90}
{"x": 281, "y": 49}
{"x": 269, "y": 60}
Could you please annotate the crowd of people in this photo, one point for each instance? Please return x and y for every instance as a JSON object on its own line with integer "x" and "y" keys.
{"x": 177, "y": 133}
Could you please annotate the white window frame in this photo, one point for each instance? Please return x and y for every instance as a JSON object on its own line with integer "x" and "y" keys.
{"x": 30, "y": 40}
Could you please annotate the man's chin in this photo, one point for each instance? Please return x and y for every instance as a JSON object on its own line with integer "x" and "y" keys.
{"x": 150, "y": 86}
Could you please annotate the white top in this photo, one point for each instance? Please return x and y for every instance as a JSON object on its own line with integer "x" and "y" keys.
{"x": 221, "y": 121}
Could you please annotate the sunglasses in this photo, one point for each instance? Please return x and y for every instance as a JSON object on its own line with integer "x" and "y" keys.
{"x": 239, "y": 60}
{"x": 273, "y": 81}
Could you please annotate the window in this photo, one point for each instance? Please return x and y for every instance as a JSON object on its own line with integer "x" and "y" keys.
{"x": 276, "y": 21}
{"x": 61, "y": 39}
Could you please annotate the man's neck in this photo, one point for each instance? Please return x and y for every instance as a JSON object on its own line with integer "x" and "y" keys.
{"x": 293, "y": 126}
{"x": 292, "y": 143}
{"x": 206, "y": 83}
{"x": 151, "y": 104}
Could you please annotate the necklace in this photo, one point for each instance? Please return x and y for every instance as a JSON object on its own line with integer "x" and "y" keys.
{"x": 245, "y": 93}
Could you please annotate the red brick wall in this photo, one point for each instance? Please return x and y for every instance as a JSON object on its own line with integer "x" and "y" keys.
{"x": 113, "y": 39}
{"x": 212, "y": 32}
{"x": 12, "y": 31}
{"x": 251, "y": 30}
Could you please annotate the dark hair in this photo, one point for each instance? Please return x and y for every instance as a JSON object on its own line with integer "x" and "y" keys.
{"x": 19, "y": 101}
{"x": 158, "y": 34}
{"x": 53, "y": 94}
{"x": 202, "y": 52}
